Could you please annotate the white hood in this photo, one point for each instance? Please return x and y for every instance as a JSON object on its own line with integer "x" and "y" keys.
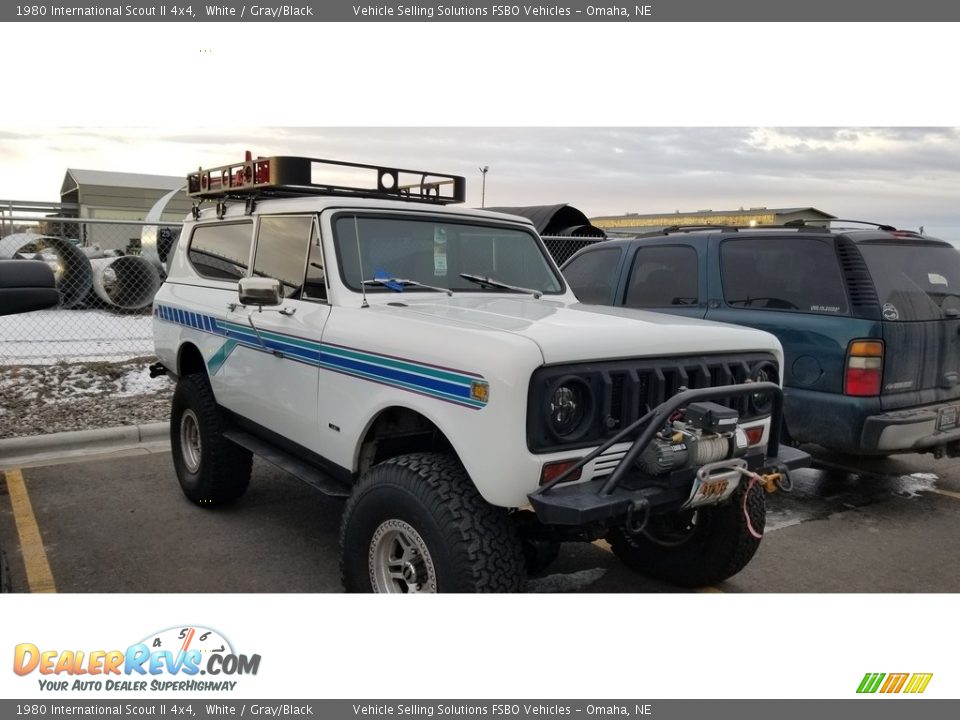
{"x": 576, "y": 332}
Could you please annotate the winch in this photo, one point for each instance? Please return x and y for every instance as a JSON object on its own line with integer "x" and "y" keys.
{"x": 705, "y": 436}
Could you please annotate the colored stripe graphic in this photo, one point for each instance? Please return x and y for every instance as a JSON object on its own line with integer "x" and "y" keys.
{"x": 894, "y": 683}
{"x": 446, "y": 384}
{"x": 870, "y": 682}
{"x": 918, "y": 683}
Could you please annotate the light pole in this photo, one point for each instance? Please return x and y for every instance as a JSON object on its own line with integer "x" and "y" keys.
{"x": 483, "y": 185}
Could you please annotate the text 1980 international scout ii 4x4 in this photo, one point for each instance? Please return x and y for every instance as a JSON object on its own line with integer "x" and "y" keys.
{"x": 429, "y": 363}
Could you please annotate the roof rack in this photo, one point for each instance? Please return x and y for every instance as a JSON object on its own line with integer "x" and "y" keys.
{"x": 289, "y": 176}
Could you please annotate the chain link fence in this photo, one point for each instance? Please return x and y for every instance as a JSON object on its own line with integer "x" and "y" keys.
{"x": 84, "y": 363}
{"x": 562, "y": 248}
{"x": 107, "y": 273}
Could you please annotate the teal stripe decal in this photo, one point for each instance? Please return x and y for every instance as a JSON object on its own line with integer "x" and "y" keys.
{"x": 440, "y": 383}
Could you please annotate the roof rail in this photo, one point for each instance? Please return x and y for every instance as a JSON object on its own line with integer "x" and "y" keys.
{"x": 288, "y": 176}
{"x": 878, "y": 226}
{"x": 693, "y": 228}
{"x": 791, "y": 225}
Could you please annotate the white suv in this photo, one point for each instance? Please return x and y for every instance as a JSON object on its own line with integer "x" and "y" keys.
{"x": 430, "y": 363}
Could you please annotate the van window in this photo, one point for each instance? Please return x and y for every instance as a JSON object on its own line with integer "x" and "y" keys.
{"x": 662, "y": 276}
{"x": 282, "y": 251}
{"x": 788, "y": 273}
{"x": 592, "y": 276}
{"x": 221, "y": 251}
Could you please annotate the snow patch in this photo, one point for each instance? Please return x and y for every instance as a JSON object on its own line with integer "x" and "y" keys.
{"x": 915, "y": 483}
{"x": 566, "y": 582}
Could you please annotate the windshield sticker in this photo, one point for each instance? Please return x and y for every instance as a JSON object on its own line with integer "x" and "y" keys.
{"x": 936, "y": 279}
{"x": 439, "y": 252}
{"x": 890, "y": 312}
{"x": 824, "y": 308}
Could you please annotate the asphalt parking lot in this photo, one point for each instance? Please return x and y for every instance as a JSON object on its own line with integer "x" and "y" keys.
{"x": 122, "y": 525}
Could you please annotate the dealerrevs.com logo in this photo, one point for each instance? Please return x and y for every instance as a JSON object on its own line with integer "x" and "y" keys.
{"x": 889, "y": 683}
{"x": 172, "y": 659}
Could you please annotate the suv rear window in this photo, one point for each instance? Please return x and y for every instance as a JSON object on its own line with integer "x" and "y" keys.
{"x": 789, "y": 273}
{"x": 914, "y": 281}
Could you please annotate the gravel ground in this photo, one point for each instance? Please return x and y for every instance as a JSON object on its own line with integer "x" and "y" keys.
{"x": 41, "y": 399}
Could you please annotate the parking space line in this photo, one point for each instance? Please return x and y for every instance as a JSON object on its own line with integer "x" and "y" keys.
{"x": 39, "y": 575}
{"x": 948, "y": 493}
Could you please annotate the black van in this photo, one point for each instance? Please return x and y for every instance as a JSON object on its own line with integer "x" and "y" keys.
{"x": 869, "y": 320}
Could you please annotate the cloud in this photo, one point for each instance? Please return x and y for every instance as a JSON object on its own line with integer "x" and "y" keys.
{"x": 902, "y": 174}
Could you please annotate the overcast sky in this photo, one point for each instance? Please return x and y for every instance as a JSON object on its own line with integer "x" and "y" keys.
{"x": 905, "y": 176}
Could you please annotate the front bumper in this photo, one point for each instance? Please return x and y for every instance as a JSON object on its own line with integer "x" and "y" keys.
{"x": 614, "y": 498}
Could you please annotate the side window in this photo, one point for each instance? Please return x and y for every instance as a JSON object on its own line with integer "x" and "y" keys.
{"x": 592, "y": 276}
{"x": 782, "y": 274}
{"x": 282, "y": 251}
{"x": 222, "y": 251}
{"x": 663, "y": 276}
{"x": 315, "y": 286}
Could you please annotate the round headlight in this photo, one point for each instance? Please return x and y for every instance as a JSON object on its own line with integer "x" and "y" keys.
{"x": 569, "y": 408}
{"x": 762, "y": 403}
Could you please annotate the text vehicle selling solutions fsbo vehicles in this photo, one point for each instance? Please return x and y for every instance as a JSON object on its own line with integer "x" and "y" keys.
{"x": 429, "y": 363}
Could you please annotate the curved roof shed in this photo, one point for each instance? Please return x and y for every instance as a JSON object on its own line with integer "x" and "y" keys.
{"x": 555, "y": 220}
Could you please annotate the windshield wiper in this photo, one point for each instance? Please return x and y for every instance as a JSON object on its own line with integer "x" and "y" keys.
{"x": 398, "y": 284}
{"x": 492, "y": 283}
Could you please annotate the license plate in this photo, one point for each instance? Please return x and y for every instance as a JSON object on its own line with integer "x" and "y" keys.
{"x": 948, "y": 417}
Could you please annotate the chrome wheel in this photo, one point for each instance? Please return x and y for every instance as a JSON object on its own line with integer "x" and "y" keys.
{"x": 399, "y": 560}
{"x": 190, "y": 446}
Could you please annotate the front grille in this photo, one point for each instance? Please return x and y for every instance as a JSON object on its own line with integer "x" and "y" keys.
{"x": 623, "y": 391}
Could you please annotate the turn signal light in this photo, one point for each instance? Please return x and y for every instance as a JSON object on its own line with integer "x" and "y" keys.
{"x": 754, "y": 435}
{"x": 864, "y": 368}
{"x": 556, "y": 469}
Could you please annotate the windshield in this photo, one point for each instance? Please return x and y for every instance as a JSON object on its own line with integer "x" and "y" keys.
{"x": 915, "y": 281}
{"x": 435, "y": 253}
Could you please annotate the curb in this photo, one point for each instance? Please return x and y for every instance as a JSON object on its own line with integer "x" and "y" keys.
{"x": 81, "y": 441}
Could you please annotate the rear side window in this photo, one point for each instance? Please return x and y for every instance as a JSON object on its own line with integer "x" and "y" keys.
{"x": 663, "y": 276}
{"x": 282, "y": 244}
{"x": 592, "y": 276}
{"x": 221, "y": 252}
{"x": 790, "y": 273}
{"x": 913, "y": 281}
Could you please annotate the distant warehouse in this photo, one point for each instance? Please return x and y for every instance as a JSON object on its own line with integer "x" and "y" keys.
{"x": 637, "y": 223}
{"x": 103, "y": 195}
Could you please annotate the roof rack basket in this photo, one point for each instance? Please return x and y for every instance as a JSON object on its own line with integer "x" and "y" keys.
{"x": 288, "y": 176}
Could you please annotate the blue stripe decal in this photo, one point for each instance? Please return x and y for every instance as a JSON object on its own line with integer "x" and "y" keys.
{"x": 440, "y": 383}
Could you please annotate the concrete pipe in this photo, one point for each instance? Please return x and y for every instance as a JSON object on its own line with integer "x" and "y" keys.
{"x": 70, "y": 265}
{"x": 128, "y": 282}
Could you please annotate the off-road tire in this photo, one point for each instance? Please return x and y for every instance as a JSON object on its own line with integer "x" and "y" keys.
{"x": 471, "y": 544}
{"x": 222, "y": 472}
{"x": 719, "y": 547}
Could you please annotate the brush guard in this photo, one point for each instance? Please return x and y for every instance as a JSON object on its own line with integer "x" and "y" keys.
{"x": 628, "y": 494}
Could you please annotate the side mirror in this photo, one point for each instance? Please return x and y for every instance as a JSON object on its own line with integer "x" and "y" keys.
{"x": 260, "y": 291}
{"x": 26, "y": 285}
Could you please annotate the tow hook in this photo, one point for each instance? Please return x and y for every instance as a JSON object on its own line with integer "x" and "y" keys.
{"x": 632, "y": 525}
{"x": 771, "y": 482}
{"x": 157, "y": 370}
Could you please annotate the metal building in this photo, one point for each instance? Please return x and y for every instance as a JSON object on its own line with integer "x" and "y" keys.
{"x": 105, "y": 195}
{"x": 635, "y": 222}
